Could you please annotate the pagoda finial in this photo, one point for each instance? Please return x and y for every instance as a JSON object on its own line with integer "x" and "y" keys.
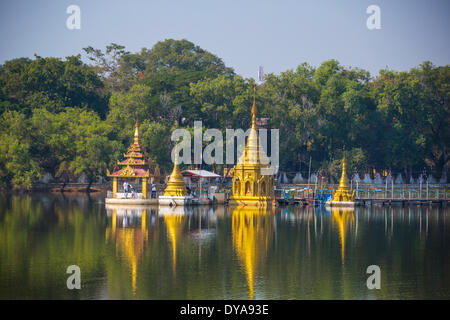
{"x": 343, "y": 182}
{"x": 254, "y": 109}
{"x": 136, "y": 133}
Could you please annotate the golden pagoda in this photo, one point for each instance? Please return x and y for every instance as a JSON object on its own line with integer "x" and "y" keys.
{"x": 176, "y": 192}
{"x": 250, "y": 186}
{"x": 343, "y": 194}
{"x": 135, "y": 166}
{"x": 176, "y": 185}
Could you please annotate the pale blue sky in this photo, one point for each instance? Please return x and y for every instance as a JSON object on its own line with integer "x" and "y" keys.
{"x": 276, "y": 34}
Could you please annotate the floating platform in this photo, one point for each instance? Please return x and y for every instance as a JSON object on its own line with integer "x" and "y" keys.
{"x": 203, "y": 201}
{"x": 131, "y": 201}
{"x": 253, "y": 203}
{"x": 341, "y": 204}
{"x": 174, "y": 201}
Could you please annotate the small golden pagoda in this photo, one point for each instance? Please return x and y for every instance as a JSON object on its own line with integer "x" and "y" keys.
{"x": 250, "y": 186}
{"x": 176, "y": 192}
{"x": 343, "y": 193}
{"x": 135, "y": 166}
{"x": 176, "y": 187}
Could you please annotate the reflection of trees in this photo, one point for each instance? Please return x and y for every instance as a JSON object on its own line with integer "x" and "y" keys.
{"x": 40, "y": 236}
{"x": 298, "y": 253}
{"x": 252, "y": 234}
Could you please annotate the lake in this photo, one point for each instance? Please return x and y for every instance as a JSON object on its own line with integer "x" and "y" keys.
{"x": 220, "y": 252}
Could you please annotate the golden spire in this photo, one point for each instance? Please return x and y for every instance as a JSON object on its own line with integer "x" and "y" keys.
{"x": 136, "y": 133}
{"x": 254, "y": 110}
{"x": 176, "y": 186}
{"x": 343, "y": 182}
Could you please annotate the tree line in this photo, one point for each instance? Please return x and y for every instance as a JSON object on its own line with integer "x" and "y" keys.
{"x": 75, "y": 116}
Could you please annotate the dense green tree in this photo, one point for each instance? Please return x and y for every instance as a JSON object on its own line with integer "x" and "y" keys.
{"x": 69, "y": 118}
{"x": 18, "y": 168}
{"x": 52, "y": 83}
{"x": 74, "y": 142}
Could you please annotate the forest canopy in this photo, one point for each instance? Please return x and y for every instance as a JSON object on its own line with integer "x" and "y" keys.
{"x": 75, "y": 116}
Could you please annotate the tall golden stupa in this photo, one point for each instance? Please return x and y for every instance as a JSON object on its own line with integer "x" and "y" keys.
{"x": 252, "y": 185}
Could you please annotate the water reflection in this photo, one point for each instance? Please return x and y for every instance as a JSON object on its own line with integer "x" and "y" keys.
{"x": 253, "y": 230}
{"x": 219, "y": 253}
{"x": 128, "y": 232}
{"x": 174, "y": 221}
{"x": 343, "y": 220}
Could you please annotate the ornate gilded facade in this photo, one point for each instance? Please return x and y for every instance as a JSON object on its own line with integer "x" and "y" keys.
{"x": 253, "y": 180}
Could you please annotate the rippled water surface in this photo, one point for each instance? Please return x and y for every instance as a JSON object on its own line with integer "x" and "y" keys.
{"x": 219, "y": 253}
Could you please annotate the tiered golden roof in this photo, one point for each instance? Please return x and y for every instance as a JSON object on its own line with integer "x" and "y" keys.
{"x": 136, "y": 163}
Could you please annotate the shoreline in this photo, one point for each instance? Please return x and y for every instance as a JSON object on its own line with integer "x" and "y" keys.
{"x": 60, "y": 187}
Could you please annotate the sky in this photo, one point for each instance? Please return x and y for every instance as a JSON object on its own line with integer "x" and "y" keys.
{"x": 278, "y": 35}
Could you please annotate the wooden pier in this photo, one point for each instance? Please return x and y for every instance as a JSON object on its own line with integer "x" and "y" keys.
{"x": 367, "y": 197}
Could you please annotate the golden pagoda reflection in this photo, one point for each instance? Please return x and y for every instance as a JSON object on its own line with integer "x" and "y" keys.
{"x": 174, "y": 221}
{"x": 129, "y": 238}
{"x": 253, "y": 230}
{"x": 342, "y": 218}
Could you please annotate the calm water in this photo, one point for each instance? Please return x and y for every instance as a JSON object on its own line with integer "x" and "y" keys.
{"x": 201, "y": 253}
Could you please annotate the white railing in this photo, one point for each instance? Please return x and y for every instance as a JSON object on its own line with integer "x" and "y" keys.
{"x": 121, "y": 195}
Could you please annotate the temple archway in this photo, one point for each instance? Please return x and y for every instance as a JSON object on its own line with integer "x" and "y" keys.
{"x": 247, "y": 187}
{"x": 263, "y": 188}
